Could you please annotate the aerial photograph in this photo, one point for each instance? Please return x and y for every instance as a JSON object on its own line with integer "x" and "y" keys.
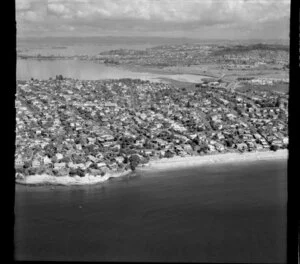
{"x": 152, "y": 130}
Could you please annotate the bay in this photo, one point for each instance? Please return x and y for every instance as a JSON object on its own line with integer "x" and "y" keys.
{"x": 88, "y": 70}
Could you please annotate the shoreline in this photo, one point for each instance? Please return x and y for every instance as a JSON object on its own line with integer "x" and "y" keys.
{"x": 156, "y": 165}
{"x": 193, "y": 161}
{"x": 155, "y": 74}
{"x": 44, "y": 179}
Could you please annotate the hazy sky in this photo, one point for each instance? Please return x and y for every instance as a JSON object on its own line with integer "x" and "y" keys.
{"x": 221, "y": 19}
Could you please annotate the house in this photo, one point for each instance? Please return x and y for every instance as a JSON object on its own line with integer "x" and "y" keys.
{"x": 242, "y": 147}
{"x": 139, "y": 143}
{"x": 116, "y": 147}
{"x": 270, "y": 138}
{"x": 211, "y": 148}
{"x": 92, "y": 158}
{"x": 250, "y": 145}
{"x": 88, "y": 164}
{"x": 107, "y": 144}
{"x": 231, "y": 116}
{"x": 187, "y": 148}
{"x": 119, "y": 159}
{"x": 91, "y": 140}
{"x": 19, "y": 162}
{"x": 193, "y": 136}
{"x": 59, "y": 156}
{"x": 219, "y": 147}
{"x": 218, "y": 125}
{"x": 36, "y": 163}
{"x": 58, "y": 166}
{"x": 47, "y": 160}
{"x": 148, "y": 152}
{"x": 63, "y": 171}
{"x": 265, "y": 144}
{"x": 101, "y": 165}
{"x": 247, "y": 137}
{"x": 178, "y": 148}
{"x": 220, "y": 136}
{"x": 257, "y": 136}
{"x": 161, "y": 142}
{"x": 110, "y": 105}
{"x": 258, "y": 146}
{"x": 277, "y": 142}
{"x": 113, "y": 166}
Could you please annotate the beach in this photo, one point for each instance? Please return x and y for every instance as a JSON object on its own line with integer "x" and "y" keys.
{"x": 181, "y": 162}
{"x": 161, "y": 164}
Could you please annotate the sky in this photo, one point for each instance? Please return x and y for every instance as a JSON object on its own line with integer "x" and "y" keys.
{"x": 200, "y": 19}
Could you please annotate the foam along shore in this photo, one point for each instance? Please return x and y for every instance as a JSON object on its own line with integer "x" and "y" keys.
{"x": 192, "y": 161}
{"x": 88, "y": 179}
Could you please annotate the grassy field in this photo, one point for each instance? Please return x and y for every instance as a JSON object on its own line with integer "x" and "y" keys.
{"x": 281, "y": 87}
{"x": 215, "y": 70}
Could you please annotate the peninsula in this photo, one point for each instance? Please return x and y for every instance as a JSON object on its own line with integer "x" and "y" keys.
{"x": 93, "y": 130}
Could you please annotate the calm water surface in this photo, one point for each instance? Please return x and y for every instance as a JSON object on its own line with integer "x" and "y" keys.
{"x": 60, "y": 49}
{"x": 89, "y": 45}
{"x": 223, "y": 213}
{"x": 87, "y": 70}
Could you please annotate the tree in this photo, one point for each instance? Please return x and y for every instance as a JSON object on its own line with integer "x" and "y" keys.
{"x": 169, "y": 154}
{"x": 277, "y": 102}
{"x": 146, "y": 159}
{"x": 196, "y": 140}
{"x": 229, "y": 142}
{"x": 59, "y": 77}
{"x": 80, "y": 172}
{"x": 134, "y": 161}
{"x": 203, "y": 147}
{"x": 126, "y": 160}
{"x": 274, "y": 147}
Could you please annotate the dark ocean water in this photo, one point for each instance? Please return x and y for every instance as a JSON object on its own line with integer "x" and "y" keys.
{"x": 223, "y": 213}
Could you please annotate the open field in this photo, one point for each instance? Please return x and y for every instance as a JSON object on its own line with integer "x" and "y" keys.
{"x": 280, "y": 87}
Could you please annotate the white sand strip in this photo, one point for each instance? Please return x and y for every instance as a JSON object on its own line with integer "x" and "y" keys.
{"x": 192, "y": 161}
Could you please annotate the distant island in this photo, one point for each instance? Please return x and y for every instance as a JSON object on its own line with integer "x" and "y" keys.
{"x": 233, "y": 56}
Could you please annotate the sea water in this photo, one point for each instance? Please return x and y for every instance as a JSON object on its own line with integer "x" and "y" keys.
{"x": 214, "y": 213}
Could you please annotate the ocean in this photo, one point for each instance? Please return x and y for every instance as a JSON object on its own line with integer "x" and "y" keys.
{"x": 212, "y": 213}
{"x": 70, "y": 46}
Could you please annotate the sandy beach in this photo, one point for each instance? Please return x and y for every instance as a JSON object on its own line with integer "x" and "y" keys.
{"x": 161, "y": 164}
{"x": 181, "y": 162}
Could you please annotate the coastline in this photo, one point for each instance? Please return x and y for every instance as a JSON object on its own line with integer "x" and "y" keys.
{"x": 144, "y": 73}
{"x": 192, "y": 161}
{"x": 161, "y": 164}
{"x": 44, "y": 179}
